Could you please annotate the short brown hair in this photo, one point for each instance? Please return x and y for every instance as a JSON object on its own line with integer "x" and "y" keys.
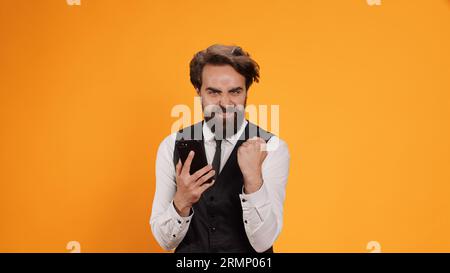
{"x": 223, "y": 55}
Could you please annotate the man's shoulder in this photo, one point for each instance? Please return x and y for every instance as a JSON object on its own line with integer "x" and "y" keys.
{"x": 277, "y": 144}
{"x": 191, "y": 132}
{"x": 167, "y": 145}
{"x": 186, "y": 133}
{"x": 274, "y": 142}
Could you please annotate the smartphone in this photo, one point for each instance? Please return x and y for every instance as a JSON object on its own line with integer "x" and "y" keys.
{"x": 199, "y": 161}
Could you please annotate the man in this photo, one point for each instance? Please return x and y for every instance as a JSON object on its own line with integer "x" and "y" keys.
{"x": 241, "y": 210}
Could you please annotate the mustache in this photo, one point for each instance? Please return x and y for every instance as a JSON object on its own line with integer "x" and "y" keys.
{"x": 212, "y": 109}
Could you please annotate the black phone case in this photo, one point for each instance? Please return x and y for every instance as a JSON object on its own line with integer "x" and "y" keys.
{"x": 199, "y": 161}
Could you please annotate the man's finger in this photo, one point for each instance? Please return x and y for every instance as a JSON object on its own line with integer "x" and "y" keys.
{"x": 263, "y": 147}
{"x": 201, "y": 172}
{"x": 178, "y": 167}
{"x": 256, "y": 140}
{"x": 206, "y": 186}
{"x": 187, "y": 163}
{"x": 205, "y": 178}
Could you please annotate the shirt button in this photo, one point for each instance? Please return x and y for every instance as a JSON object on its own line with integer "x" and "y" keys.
{"x": 174, "y": 235}
{"x": 187, "y": 221}
{"x": 179, "y": 222}
{"x": 245, "y": 221}
{"x": 244, "y": 200}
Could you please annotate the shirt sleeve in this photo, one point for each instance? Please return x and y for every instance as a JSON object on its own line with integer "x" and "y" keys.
{"x": 168, "y": 227}
{"x": 262, "y": 210}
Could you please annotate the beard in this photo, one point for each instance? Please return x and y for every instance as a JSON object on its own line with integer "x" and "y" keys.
{"x": 224, "y": 121}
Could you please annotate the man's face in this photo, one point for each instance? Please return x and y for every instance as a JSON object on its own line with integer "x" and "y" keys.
{"x": 224, "y": 98}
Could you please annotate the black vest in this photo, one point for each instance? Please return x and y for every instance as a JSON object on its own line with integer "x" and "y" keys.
{"x": 217, "y": 224}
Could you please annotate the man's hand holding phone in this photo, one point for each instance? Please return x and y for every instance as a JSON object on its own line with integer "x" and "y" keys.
{"x": 190, "y": 187}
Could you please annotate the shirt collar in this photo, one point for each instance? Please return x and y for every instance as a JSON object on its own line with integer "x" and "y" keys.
{"x": 208, "y": 135}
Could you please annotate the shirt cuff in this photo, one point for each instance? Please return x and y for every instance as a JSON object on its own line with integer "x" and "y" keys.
{"x": 256, "y": 199}
{"x": 182, "y": 221}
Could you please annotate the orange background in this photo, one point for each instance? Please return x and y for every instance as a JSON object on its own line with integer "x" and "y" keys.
{"x": 86, "y": 93}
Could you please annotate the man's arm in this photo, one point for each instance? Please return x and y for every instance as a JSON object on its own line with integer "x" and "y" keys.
{"x": 176, "y": 192}
{"x": 262, "y": 205}
{"x": 168, "y": 227}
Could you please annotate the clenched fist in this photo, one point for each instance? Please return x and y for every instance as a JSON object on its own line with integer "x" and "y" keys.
{"x": 251, "y": 155}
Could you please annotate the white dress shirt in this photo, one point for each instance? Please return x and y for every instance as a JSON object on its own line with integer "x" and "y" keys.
{"x": 262, "y": 210}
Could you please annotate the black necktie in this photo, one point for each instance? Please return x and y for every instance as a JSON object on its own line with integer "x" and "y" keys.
{"x": 216, "y": 160}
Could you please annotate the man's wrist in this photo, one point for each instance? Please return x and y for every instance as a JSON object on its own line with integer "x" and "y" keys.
{"x": 182, "y": 210}
{"x": 252, "y": 183}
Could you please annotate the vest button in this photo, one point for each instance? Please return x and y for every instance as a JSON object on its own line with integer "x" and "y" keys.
{"x": 211, "y": 198}
{"x": 213, "y": 229}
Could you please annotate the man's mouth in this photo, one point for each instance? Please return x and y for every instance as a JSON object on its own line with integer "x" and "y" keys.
{"x": 226, "y": 114}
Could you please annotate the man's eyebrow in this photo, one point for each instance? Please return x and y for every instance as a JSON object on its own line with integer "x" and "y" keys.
{"x": 230, "y": 90}
{"x": 213, "y": 89}
{"x": 235, "y": 89}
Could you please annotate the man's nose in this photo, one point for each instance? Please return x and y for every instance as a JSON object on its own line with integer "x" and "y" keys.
{"x": 225, "y": 101}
